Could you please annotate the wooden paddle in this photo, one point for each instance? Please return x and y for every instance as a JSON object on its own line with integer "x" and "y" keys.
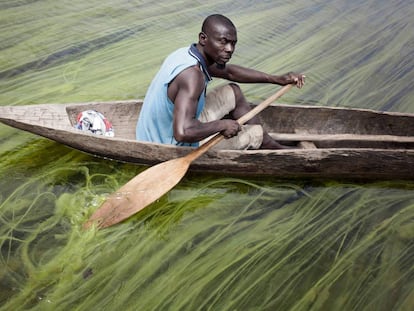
{"x": 154, "y": 182}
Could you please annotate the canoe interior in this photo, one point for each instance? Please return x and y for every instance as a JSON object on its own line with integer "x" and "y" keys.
{"x": 285, "y": 119}
{"x": 122, "y": 115}
{"x": 323, "y": 120}
{"x": 377, "y": 158}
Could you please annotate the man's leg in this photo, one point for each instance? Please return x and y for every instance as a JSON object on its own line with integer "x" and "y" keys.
{"x": 220, "y": 102}
{"x": 241, "y": 108}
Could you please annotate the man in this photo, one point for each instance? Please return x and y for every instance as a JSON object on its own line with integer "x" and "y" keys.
{"x": 178, "y": 111}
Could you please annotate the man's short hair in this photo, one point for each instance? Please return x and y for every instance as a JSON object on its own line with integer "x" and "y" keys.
{"x": 216, "y": 18}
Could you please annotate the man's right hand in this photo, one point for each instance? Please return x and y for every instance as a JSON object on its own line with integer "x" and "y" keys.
{"x": 232, "y": 128}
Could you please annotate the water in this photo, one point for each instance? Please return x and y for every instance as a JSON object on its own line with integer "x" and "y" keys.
{"x": 214, "y": 242}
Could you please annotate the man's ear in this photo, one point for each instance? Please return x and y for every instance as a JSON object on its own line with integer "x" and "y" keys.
{"x": 202, "y": 38}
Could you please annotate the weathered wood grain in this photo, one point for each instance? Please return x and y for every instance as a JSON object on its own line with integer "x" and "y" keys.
{"x": 350, "y": 143}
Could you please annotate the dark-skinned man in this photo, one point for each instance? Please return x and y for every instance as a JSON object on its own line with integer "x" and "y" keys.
{"x": 177, "y": 109}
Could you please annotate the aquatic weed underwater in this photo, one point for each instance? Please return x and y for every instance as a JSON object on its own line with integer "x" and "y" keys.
{"x": 227, "y": 245}
{"x": 209, "y": 244}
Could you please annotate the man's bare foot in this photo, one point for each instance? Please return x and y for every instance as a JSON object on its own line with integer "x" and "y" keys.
{"x": 272, "y": 144}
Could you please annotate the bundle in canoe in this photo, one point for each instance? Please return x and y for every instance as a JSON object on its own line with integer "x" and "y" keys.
{"x": 336, "y": 143}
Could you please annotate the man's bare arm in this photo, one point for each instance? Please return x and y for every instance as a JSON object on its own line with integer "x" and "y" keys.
{"x": 185, "y": 91}
{"x": 241, "y": 74}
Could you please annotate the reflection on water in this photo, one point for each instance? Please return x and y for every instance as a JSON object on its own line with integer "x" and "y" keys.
{"x": 213, "y": 243}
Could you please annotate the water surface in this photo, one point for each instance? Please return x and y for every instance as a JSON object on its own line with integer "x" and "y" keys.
{"x": 214, "y": 242}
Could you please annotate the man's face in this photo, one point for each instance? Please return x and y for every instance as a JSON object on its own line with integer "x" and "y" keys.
{"x": 220, "y": 43}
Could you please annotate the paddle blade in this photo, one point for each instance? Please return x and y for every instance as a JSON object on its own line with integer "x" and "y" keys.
{"x": 139, "y": 192}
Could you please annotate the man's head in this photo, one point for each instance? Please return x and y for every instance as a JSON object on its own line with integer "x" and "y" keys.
{"x": 216, "y": 19}
{"x": 218, "y": 38}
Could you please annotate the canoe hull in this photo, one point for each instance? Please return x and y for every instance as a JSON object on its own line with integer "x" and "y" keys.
{"x": 56, "y": 123}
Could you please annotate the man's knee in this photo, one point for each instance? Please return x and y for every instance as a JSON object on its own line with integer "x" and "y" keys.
{"x": 242, "y": 106}
{"x": 219, "y": 103}
{"x": 237, "y": 91}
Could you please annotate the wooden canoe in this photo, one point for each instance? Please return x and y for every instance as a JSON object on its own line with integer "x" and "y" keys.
{"x": 337, "y": 143}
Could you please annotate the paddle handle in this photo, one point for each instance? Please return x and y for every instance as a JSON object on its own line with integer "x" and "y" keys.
{"x": 242, "y": 120}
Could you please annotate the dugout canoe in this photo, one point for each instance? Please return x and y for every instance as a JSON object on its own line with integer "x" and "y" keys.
{"x": 336, "y": 143}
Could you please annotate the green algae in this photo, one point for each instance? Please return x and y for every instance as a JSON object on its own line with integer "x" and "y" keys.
{"x": 213, "y": 242}
{"x": 245, "y": 245}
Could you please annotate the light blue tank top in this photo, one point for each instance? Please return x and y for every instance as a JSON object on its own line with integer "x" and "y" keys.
{"x": 155, "y": 122}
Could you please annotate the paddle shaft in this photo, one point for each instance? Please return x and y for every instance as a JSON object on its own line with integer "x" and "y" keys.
{"x": 242, "y": 120}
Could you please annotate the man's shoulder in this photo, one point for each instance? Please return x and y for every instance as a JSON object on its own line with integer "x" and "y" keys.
{"x": 193, "y": 73}
{"x": 180, "y": 58}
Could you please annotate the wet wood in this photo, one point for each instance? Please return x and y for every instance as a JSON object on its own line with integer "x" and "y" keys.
{"x": 342, "y": 137}
{"x": 351, "y": 143}
{"x": 305, "y": 144}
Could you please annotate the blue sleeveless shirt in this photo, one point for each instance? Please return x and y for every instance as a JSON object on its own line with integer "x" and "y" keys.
{"x": 155, "y": 122}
